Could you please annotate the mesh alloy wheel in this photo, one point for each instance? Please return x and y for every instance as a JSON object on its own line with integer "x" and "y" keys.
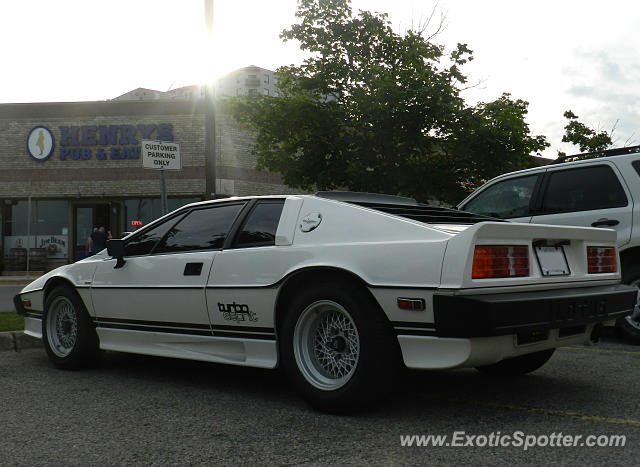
{"x": 62, "y": 326}
{"x": 326, "y": 345}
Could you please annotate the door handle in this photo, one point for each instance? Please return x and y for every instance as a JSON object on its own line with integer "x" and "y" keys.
{"x": 192, "y": 269}
{"x": 607, "y": 222}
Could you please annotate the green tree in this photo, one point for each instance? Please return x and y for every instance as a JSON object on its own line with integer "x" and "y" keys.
{"x": 373, "y": 110}
{"x": 587, "y": 139}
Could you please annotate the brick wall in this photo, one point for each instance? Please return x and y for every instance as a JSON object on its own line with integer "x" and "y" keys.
{"x": 21, "y": 175}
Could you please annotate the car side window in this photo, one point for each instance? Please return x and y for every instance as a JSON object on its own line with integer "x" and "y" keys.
{"x": 201, "y": 229}
{"x": 143, "y": 243}
{"x": 261, "y": 225}
{"x": 583, "y": 189}
{"x": 506, "y": 199}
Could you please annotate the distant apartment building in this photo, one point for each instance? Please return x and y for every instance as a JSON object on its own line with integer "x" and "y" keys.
{"x": 247, "y": 81}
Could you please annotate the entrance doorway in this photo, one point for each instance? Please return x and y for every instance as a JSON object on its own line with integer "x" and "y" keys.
{"x": 86, "y": 218}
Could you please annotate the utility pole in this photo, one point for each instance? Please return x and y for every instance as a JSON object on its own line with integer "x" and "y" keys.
{"x": 209, "y": 111}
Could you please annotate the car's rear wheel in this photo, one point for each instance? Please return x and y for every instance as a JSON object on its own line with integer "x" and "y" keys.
{"x": 69, "y": 336}
{"x": 337, "y": 348}
{"x": 629, "y": 326}
{"x": 518, "y": 366}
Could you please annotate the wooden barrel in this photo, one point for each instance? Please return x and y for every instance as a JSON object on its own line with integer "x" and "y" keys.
{"x": 37, "y": 258}
{"x": 17, "y": 259}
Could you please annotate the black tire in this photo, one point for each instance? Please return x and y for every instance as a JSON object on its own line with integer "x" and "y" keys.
{"x": 518, "y": 366}
{"x": 629, "y": 326}
{"x": 69, "y": 336}
{"x": 359, "y": 358}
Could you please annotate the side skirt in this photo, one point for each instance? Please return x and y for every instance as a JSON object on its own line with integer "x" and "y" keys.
{"x": 258, "y": 353}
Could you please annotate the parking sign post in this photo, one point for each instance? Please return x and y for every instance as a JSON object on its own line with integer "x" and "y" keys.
{"x": 161, "y": 155}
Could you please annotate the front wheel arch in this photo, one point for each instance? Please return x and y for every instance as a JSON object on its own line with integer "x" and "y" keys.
{"x": 68, "y": 333}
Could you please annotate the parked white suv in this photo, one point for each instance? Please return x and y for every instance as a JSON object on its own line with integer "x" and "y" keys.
{"x": 593, "y": 192}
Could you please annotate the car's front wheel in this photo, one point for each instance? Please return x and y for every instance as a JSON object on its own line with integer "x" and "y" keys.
{"x": 69, "y": 336}
{"x": 518, "y": 366}
{"x": 337, "y": 348}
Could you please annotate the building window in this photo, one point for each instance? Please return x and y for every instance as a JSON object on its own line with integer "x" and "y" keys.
{"x": 48, "y": 228}
{"x": 252, "y": 92}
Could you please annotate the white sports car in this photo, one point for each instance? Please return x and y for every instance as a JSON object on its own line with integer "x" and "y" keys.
{"x": 337, "y": 288}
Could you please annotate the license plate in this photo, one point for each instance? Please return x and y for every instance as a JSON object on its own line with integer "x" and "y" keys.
{"x": 552, "y": 260}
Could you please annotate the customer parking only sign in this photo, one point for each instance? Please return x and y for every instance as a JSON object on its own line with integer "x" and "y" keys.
{"x": 160, "y": 155}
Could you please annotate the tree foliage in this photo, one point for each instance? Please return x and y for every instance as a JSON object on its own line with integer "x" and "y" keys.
{"x": 586, "y": 138}
{"x": 373, "y": 110}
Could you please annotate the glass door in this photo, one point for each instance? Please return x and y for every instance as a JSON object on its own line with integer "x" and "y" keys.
{"x": 84, "y": 225}
{"x": 86, "y": 219}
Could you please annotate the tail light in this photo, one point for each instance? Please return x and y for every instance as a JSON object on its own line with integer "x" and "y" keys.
{"x": 490, "y": 261}
{"x": 601, "y": 259}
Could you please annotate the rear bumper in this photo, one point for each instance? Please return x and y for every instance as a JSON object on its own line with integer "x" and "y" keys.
{"x": 523, "y": 312}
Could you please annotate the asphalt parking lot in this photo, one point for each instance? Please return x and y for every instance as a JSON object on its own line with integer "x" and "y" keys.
{"x": 146, "y": 410}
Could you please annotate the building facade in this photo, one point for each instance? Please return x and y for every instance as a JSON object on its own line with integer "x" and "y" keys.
{"x": 67, "y": 168}
{"x": 248, "y": 81}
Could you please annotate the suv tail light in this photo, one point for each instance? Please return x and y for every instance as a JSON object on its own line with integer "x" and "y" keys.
{"x": 490, "y": 261}
{"x": 601, "y": 259}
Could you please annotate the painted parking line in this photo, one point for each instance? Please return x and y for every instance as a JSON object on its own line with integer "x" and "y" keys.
{"x": 559, "y": 413}
{"x": 586, "y": 349}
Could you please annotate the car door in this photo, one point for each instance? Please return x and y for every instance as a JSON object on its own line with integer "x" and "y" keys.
{"x": 241, "y": 291}
{"x": 510, "y": 198}
{"x": 161, "y": 287}
{"x": 588, "y": 195}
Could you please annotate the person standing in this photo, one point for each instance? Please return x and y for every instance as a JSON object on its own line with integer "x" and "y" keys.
{"x": 89, "y": 244}
{"x": 98, "y": 240}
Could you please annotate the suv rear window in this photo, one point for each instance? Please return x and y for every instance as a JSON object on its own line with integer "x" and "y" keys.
{"x": 583, "y": 189}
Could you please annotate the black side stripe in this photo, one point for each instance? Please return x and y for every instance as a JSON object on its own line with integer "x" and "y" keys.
{"x": 151, "y": 323}
{"x": 33, "y": 314}
{"x": 224, "y": 327}
{"x": 146, "y": 287}
{"x": 407, "y": 328}
{"x": 244, "y": 335}
{"x": 240, "y": 332}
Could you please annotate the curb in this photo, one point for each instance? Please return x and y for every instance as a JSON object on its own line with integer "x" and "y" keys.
{"x": 17, "y": 341}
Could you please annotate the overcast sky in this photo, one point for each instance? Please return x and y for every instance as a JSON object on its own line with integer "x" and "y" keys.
{"x": 557, "y": 55}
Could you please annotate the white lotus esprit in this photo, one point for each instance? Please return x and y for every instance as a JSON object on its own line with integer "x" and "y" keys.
{"x": 337, "y": 288}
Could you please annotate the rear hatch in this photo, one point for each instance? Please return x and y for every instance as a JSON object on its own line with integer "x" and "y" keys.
{"x": 503, "y": 254}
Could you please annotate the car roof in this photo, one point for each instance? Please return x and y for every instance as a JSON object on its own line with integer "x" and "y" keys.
{"x": 593, "y": 160}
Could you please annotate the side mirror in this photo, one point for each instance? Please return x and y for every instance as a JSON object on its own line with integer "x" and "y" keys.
{"x": 115, "y": 249}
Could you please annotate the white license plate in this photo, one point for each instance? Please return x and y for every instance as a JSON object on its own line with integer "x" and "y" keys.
{"x": 552, "y": 261}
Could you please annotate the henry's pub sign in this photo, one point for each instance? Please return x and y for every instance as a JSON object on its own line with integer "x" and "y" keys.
{"x": 101, "y": 142}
